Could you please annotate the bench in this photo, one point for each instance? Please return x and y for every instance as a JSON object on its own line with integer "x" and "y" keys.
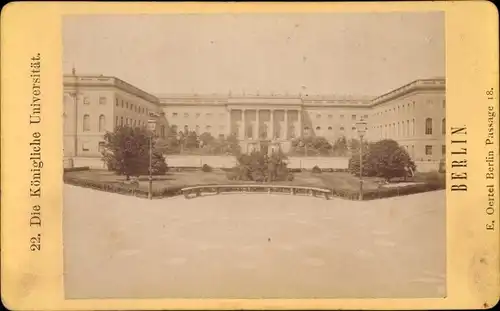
{"x": 293, "y": 190}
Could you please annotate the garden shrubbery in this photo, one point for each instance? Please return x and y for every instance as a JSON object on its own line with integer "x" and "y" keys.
{"x": 260, "y": 167}
{"x": 206, "y": 168}
{"x": 316, "y": 170}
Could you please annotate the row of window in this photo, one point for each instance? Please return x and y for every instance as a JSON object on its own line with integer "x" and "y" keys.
{"x": 405, "y": 129}
{"x": 330, "y": 116}
{"x": 197, "y": 115}
{"x": 102, "y": 100}
{"x": 406, "y": 108}
{"x": 133, "y": 107}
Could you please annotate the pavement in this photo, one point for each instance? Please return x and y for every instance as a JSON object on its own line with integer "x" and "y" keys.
{"x": 253, "y": 246}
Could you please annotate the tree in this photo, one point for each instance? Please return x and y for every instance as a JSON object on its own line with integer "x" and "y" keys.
{"x": 258, "y": 166}
{"x": 206, "y": 138}
{"x": 169, "y": 144}
{"x": 311, "y": 146}
{"x": 126, "y": 152}
{"x": 233, "y": 146}
{"x": 385, "y": 159}
{"x": 191, "y": 140}
{"x": 340, "y": 147}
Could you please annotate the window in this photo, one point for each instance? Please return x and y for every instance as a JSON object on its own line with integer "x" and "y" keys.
{"x": 353, "y": 117}
{"x": 102, "y": 100}
{"x": 85, "y": 146}
{"x": 330, "y": 116}
{"x": 330, "y": 128}
{"x": 341, "y": 128}
{"x": 134, "y": 123}
{"x": 428, "y": 150}
{"x": 121, "y": 121}
{"x": 318, "y": 128}
{"x": 428, "y": 126}
{"x": 102, "y": 123}
{"x": 186, "y": 115}
{"x": 208, "y": 128}
{"x": 122, "y": 103}
{"x": 342, "y": 116}
{"x": 101, "y": 147}
{"x": 444, "y": 103}
{"x": 413, "y": 105}
{"x": 365, "y": 116}
{"x": 116, "y": 101}
{"x": 407, "y": 128}
{"x": 413, "y": 127}
{"x": 443, "y": 149}
{"x": 132, "y": 107}
{"x": 208, "y": 115}
{"x": 443, "y": 126}
{"x": 86, "y": 100}
{"x": 126, "y": 105}
{"x": 198, "y": 115}
{"x": 174, "y": 114}
{"x": 353, "y": 128}
{"x": 116, "y": 121}
{"x": 318, "y": 116}
{"x": 86, "y": 123}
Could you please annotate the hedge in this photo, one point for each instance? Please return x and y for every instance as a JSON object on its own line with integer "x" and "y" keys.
{"x": 371, "y": 194}
{"x": 121, "y": 188}
{"x": 77, "y": 169}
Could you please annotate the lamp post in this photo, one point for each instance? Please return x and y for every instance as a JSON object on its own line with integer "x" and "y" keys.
{"x": 152, "y": 127}
{"x": 361, "y": 127}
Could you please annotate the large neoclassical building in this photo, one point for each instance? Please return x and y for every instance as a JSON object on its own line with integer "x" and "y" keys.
{"x": 413, "y": 115}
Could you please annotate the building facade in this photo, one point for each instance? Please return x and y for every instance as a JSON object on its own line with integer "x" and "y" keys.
{"x": 413, "y": 115}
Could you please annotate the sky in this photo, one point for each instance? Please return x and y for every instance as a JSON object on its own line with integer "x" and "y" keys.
{"x": 355, "y": 54}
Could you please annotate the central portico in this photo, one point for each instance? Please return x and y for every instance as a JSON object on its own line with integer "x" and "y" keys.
{"x": 259, "y": 122}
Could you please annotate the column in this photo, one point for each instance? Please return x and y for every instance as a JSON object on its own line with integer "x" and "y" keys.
{"x": 256, "y": 130}
{"x": 229, "y": 122}
{"x": 243, "y": 122}
{"x": 271, "y": 123}
{"x": 286, "y": 124}
{"x": 299, "y": 112}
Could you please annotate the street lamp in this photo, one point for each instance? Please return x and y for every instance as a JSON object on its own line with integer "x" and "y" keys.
{"x": 361, "y": 127}
{"x": 152, "y": 128}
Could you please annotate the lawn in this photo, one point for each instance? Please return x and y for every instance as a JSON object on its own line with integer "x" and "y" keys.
{"x": 336, "y": 180}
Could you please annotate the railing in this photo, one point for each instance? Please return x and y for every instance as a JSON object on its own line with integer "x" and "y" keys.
{"x": 196, "y": 191}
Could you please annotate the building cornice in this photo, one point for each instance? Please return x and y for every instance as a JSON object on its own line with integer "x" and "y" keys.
{"x": 107, "y": 81}
{"x": 435, "y": 84}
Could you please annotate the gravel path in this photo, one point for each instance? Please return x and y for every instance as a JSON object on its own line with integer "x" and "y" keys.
{"x": 252, "y": 246}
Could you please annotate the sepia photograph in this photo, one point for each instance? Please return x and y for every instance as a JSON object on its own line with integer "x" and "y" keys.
{"x": 254, "y": 156}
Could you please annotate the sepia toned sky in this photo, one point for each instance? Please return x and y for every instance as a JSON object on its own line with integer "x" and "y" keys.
{"x": 343, "y": 54}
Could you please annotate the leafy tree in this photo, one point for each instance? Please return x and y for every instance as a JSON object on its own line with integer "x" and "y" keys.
{"x": 311, "y": 145}
{"x": 191, "y": 140}
{"x": 258, "y": 166}
{"x": 169, "y": 144}
{"x": 126, "y": 151}
{"x": 385, "y": 159}
{"x": 233, "y": 145}
{"x": 206, "y": 138}
{"x": 340, "y": 147}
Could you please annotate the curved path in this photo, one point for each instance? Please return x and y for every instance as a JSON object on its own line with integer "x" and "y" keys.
{"x": 252, "y": 246}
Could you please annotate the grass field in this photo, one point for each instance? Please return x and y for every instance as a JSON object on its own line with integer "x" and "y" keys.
{"x": 336, "y": 180}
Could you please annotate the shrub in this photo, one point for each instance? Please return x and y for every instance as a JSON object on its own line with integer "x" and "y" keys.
{"x": 316, "y": 170}
{"x": 258, "y": 166}
{"x": 206, "y": 168}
